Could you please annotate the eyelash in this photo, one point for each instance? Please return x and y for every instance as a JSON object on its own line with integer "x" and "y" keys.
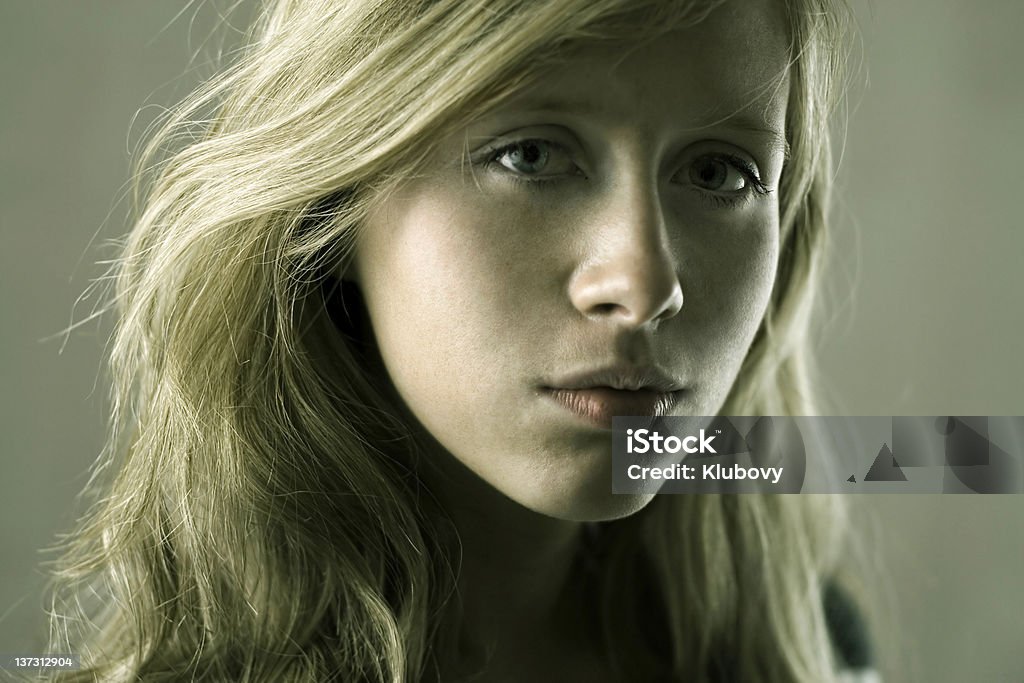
{"x": 538, "y": 183}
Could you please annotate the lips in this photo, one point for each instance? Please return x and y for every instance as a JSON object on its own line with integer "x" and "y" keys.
{"x": 596, "y": 395}
{"x": 598, "y": 405}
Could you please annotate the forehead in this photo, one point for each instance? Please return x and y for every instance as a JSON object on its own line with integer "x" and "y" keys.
{"x": 732, "y": 65}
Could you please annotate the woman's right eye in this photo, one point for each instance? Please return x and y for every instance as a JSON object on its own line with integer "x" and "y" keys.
{"x": 534, "y": 158}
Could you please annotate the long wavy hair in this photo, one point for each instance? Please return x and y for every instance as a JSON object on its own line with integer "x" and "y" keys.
{"x": 259, "y": 517}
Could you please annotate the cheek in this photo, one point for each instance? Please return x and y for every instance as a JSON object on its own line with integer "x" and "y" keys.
{"x": 749, "y": 274}
{"x": 727, "y": 284}
{"x": 443, "y": 278}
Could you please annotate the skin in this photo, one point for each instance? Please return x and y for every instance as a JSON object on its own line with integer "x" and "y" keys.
{"x": 608, "y": 215}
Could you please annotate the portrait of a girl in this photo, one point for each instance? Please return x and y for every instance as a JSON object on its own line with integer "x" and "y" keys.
{"x": 392, "y": 273}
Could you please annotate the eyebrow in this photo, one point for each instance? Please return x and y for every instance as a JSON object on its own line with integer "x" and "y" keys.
{"x": 741, "y": 120}
{"x": 777, "y": 139}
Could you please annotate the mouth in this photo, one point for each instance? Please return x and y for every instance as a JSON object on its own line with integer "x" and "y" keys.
{"x": 598, "y": 396}
{"x": 598, "y": 405}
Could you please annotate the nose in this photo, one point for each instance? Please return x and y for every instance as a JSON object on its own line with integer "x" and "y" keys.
{"x": 629, "y": 276}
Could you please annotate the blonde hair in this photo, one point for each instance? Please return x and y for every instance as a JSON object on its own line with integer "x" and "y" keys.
{"x": 263, "y": 521}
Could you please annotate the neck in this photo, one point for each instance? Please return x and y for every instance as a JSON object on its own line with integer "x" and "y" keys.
{"x": 516, "y": 568}
{"x": 521, "y": 601}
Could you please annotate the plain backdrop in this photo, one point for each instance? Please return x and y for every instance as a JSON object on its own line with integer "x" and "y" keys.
{"x": 923, "y": 310}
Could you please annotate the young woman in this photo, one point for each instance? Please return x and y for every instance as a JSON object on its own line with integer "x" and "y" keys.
{"x": 395, "y": 270}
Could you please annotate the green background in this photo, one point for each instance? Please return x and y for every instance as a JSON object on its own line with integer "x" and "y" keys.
{"x": 923, "y": 311}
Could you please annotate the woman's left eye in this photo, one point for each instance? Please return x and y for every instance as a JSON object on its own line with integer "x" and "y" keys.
{"x": 536, "y": 158}
{"x": 716, "y": 175}
{"x": 725, "y": 174}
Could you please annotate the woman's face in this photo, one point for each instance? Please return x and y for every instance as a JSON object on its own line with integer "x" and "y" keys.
{"x": 603, "y": 244}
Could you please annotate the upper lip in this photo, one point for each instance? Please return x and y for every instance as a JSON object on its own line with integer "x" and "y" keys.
{"x": 623, "y": 377}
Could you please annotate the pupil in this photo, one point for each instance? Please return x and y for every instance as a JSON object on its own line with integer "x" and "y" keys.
{"x": 529, "y": 156}
{"x": 532, "y": 154}
{"x": 710, "y": 172}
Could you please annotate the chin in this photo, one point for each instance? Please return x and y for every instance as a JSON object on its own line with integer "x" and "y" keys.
{"x": 577, "y": 488}
{"x": 584, "y": 504}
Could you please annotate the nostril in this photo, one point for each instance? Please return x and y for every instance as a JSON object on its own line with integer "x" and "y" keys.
{"x": 604, "y": 309}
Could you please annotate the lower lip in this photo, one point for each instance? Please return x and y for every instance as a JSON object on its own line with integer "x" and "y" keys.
{"x": 599, "y": 405}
